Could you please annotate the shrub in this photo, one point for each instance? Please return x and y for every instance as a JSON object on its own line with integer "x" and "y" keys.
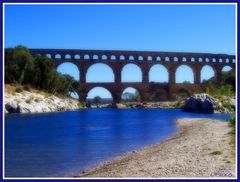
{"x": 27, "y": 87}
{"x": 226, "y": 104}
{"x": 18, "y": 89}
{"x": 225, "y": 90}
{"x": 217, "y": 152}
{"x": 29, "y": 100}
{"x": 82, "y": 104}
{"x": 233, "y": 121}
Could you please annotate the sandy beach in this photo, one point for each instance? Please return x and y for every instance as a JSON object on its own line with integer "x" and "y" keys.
{"x": 202, "y": 148}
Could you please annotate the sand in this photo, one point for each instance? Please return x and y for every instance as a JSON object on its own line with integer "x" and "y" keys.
{"x": 202, "y": 149}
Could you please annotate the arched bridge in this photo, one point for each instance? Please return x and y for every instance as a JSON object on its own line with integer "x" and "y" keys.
{"x": 83, "y": 59}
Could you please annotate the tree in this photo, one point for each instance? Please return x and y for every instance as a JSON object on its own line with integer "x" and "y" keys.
{"x": 43, "y": 72}
{"x": 187, "y": 82}
{"x": 19, "y": 65}
{"x": 128, "y": 96}
{"x": 97, "y": 100}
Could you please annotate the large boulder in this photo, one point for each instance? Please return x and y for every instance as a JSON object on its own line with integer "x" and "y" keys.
{"x": 11, "y": 107}
{"x": 199, "y": 103}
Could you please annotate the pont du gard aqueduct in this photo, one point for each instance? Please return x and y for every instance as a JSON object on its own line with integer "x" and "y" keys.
{"x": 116, "y": 60}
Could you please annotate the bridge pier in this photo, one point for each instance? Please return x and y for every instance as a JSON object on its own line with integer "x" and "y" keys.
{"x": 117, "y": 97}
{"x": 82, "y": 97}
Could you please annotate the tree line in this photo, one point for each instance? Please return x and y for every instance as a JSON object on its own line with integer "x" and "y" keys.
{"x": 38, "y": 72}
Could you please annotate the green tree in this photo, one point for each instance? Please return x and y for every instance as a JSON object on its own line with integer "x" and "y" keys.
{"x": 19, "y": 65}
{"x": 97, "y": 100}
{"x": 44, "y": 71}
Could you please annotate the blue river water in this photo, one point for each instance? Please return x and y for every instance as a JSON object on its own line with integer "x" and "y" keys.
{"x": 65, "y": 143}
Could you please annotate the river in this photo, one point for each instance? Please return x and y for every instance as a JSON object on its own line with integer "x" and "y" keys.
{"x": 63, "y": 144}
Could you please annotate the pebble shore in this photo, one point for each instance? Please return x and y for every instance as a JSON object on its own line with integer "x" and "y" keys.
{"x": 202, "y": 149}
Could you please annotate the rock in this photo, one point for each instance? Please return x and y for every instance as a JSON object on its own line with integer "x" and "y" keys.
{"x": 11, "y": 107}
{"x": 21, "y": 103}
{"x": 199, "y": 103}
{"x": 203, "y": 103}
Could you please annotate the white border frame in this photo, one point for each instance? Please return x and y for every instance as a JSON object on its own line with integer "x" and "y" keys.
{"x": 80, "y": 178}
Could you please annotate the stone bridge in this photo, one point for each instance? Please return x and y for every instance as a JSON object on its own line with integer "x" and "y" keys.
{"x": 116, "y": 60}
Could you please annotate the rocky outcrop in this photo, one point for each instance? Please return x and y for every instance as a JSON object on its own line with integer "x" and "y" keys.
{"x": 203, "y": 103}
{"x": 28, "y": 102}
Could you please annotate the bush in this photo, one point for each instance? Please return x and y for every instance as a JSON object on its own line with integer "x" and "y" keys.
{"x": 226, "y": 104}
{"x": 29, "y": 100}
{"x": 18, "y": 89}
{"x": 232, "y": 121}
{"x": 82, "y": 104}
{"x": 27, "y": 87}
{"x": 217, "y": 152}
{"x": 225, "y": 90}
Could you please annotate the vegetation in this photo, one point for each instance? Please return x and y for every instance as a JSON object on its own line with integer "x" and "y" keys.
{"x": 131, "y": 97}
{"x": 22, "y": 69}
{"x": 232, "y": 121}
{"x": 82, "y": 104}
{"x": 226, "y": 87}
{"x": 97, "y": 100}
{"x": 217, "y": 152}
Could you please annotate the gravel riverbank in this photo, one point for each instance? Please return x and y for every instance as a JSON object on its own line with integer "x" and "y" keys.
{"x": 202, "y": 149}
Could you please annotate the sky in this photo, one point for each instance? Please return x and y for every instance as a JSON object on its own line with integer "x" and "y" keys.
{"x": 178, "y": 28}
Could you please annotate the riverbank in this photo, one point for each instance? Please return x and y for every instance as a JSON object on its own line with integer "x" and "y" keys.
{"x": 202, "y": 149}
{"x": 35, "y": 101}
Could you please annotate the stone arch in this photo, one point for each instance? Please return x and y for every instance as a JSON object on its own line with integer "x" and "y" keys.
{"x": 100, "y": 73}
{"x": 49, "y": 56}
{"x": 184, "y": 74}
{"x": 207, "y": 60}
{"x": 67, "y": 56}
{"x": 95, "y": 57}
{"x": 175, "y": 59}
{"x": 130, "y": 94}
{"x": 58, "y": 56}
{"x": 86, "y": 56}
{"x": 220, "y": 60}
{"x": 131, "y": 58}
{"x": 104, "y": 57}
{"x": 128, "y": 70}
{"x": 226, "y": 68}
{"x": 102, "y": 92}
{"x": 113, "y": 57}
{"x": 200, "y": 59}
{"x": 184, "y": 59}
{"x": 207, "y": 72}
{"x": 167, "y": 58}
{"x": 192, "y": 59}
{"x": 158, "y": 73}
{"x": 149, "y": 58}
{"x": 214, "y": 60}
{"x": 70, "y": 69}
{"x": 159, "y": 94}
{"x": 140, "y": 58}
{"x": 77, "y": 56}
{"x": 122, "y": 57}
{"x": 227, "y": 60}
{"x": 158, "y": 58}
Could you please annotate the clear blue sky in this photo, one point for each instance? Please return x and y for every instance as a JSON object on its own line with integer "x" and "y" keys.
{"x": 184, "y": 28}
